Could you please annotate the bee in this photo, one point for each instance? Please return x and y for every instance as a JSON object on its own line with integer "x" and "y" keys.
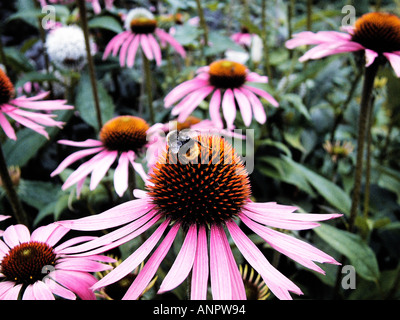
{"x": 184, "y": 143}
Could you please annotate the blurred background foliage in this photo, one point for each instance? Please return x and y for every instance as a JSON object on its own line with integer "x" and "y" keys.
{"x": 304, "y": 154}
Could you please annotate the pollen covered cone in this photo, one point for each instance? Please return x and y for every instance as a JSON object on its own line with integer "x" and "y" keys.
{"x": 7, "y": 90}
{"x": 204, "y": 185}
{"x": 227, "y": 74}
{"x": 378, "y": 31}
{"x": 143, "y": 25}
{"x": 124, "y": 133}
{"x": 25, "y": 262}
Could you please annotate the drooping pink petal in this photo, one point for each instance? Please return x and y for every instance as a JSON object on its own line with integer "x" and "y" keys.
{"x": 59, "y": 290}
{"x": 221, "y": 287}
{"x": 370, "y": 56}
{"x": 84, "y": 169}
{"x": 119, "y": 41}
{"x": 183, "y": 262}
{"x": 145, "y": 45}
{"x": 214, "y": 109}
{"x": 7, "y": 128}
{"x": 113, "y": 43}
{"x": 263, "y": 94}
{"x": 255, "y": 77}
{"x": 188, "y": 101}
{"x": 276, "y": 282}
{"x": 85, "y": 143}
{"x": 116, "y": 216}
{"x": 39, "y": 118}
{"x": 6, "y": 286}
{"x": 124, "y": 50}
{"x": 394, "y": 60}
{"x": 28, "y": 123}
{"x": 238, "y": 290}
{"x": 229, "y": 108}
{"x": 330, "y": 48}
{"x": 194, "y": 102}
{"x": 134, "y": 260}
{"x": 182, "y": 90}
{"x": 309, "y": 38}
{"x": 295, "y": 249}
{"x": 200, "y": 270}
{"x": 155, "y": 48}
{"x": 115, "y": 238}
{"x": 171, "y": 40}
{"x": 121, "y": 174}
{"x": 258, "y": 108}
{"x": 78, "y": 282}
{"x": 150, "y": 268}
{"x": 244, "y": 106}
{"x": 73, "y": 158}
{"x": 130, "y": 59}
{"x": 82, "y": 264}
{"x": 45, "y": 105}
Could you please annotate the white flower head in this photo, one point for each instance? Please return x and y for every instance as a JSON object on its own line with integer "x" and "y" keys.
{"x": 66, "y": 47}
{"x": 136, "y": 14}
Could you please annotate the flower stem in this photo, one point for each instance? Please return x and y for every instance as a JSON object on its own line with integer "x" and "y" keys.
{"x": 147, "y": 74}
{"x": 264, "y": 37}
{"x": 85, "y": 28}
{"x": 368, "y": 163}
{"x": 369, "y": 77}
{"x": 19, "y": 213}
{"x": 203, "y": 25}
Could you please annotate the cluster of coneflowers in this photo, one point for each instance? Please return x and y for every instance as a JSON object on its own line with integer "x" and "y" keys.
{"x": 207, "y": 198}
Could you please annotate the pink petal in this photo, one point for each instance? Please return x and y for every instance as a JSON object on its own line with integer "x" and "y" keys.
{"x": 296, "y": 249}
{"x": 124, "y": 49}
{"x": 156, "y": 49}
{"x": 182, "y": 90}
{"x": 46, "y": 105}
{"x": 112, "y": 44}
{"x": 238, "y": 290}
{"x": 119, "y": 41}
{"x": 116, "y": 216}
{"x": 370, "y": 57}
{"x": 28, "y": 123}
{"x": 394, "y": 60}
{"x": 183, "y": 262}
{"x": 59, "y": 290}
{"x": 41, "y": 291}
{"x": 276, "y": 282}
{"x": 82, "y": 264}
{"x": 229, "y": 108}
{"x": 50, "y": 234}
{"x": 151, "y": 266}
{"x": 244, "y": 106}
{"x": 13, "y": 293}
{"x": 220, "y": 277}
{"x": 8, "y": 129}
{"x": 214, "y": 109}
{"x": 6, "y": 286}
{"x": 130, "y": 59}
{"x": 195, "y": 100}
{"x": 171, "y": 40}
{"x": 77, "y": 282}
{"x": 144, "y": 43}
{"x": 16, "y": 234}
{"x": 121, "y": 175}
{"x": 86, "y": 143}
{"x": 200, "y": 271}
{"x": 263, "y": 94}
{"x": 258, "y": 108}
{"x": 73, "y": 158}
{"x": 134, "y": 259}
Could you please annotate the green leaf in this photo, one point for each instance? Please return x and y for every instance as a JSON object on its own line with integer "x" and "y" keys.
{"x": 360, "y": 255}
{"x": 35, "y": 76}
{"x": 220, "y": 43}
{"x": 38, "y": 194}
{"x": 299, "y": 175}
{"x": 105, "y": 22}
{"x": 297, "y": 103}
{"x": 84, "y": 102}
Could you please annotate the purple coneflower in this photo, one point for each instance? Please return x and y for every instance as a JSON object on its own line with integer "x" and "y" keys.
{"x": 32, "y": 267}
{"x": 122, "y": 137}
{"x": 14, "y": 108}
{"x": 228, "y": 81}
{"x": 203, "y": 197}
{"x": 140, "y": 28}
{"x": 377, "y": 33}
